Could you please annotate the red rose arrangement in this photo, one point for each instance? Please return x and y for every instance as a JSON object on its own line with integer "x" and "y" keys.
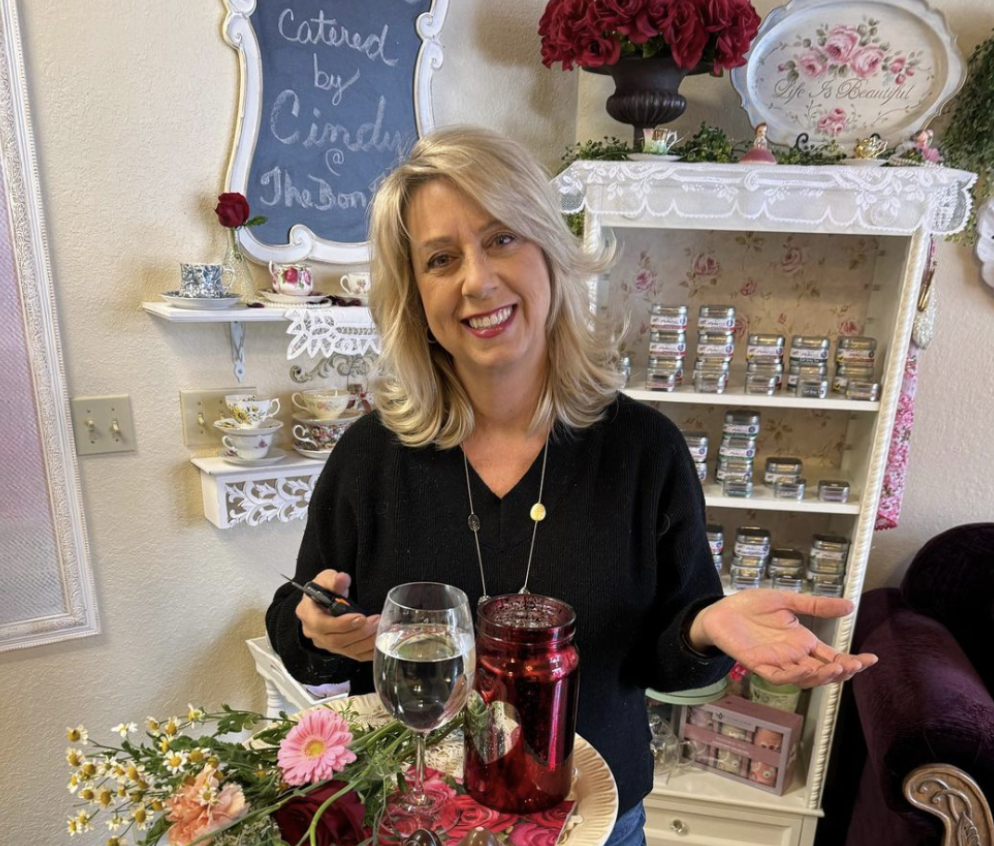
{"x": 592, "y": 33}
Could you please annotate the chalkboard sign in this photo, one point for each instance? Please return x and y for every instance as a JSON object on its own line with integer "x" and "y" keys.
{"x": 334, "y": 92}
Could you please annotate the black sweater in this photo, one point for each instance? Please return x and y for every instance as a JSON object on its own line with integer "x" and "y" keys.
{"x": 623, "y": 543}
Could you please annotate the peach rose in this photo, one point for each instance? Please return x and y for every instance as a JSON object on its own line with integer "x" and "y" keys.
{"x": 841, "y": 42}
{"x": 867, "y": 61}
{"x": 812, "y": 64}
{"x": 200, "y": 808}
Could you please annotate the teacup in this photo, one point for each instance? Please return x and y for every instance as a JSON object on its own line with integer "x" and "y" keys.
{"x": 204, "y": 280}
{"x": 249, "y": 445}
{"x": 323, "y": 403}
{"x": 357, "y": 284}
{"x": 249, "y": 410}
{"x": 293, "y": 279}
{"x": 321, "y": 434}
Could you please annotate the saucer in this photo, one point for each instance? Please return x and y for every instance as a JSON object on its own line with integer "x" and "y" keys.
{"x": 274, "y": 456}
{"x": 230, "y": 425}
{"x": 293, "y": 299}
{"x": 653, "y": 157}
{"x": 348, "y": 416}
{"x": 320, "y": 454}
{"x": 175, "y": 299}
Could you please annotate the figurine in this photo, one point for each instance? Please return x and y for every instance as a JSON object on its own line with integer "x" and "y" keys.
{"x": 918, "y": 151}
{"x": 760, "y": 152}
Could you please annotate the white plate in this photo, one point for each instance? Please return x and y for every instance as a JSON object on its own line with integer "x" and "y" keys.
{"x": 811, "y": 69}
{"x": 174, "y": 299}
{"x": 229, "y": 425}
{"x": 653, "y": 157}
{"x": 319, "y": 454}
{"x": 293, "y": 299}
{"x": 864, "y": 162}
{"x": 274, "y": 456}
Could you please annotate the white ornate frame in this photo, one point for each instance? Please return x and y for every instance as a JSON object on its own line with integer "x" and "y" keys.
{"x": 304, "y": 244}
{"x": 18, "y": 169}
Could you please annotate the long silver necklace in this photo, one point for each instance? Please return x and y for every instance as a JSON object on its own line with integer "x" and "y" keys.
{"x": 537, "y": 514}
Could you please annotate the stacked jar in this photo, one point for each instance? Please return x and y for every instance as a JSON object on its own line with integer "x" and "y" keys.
{"x": 855, "y": 358}
{"x": 716, "y": 540}
{"x": 667, "y": 348}
{"x": 809, "y": 366}
{"x": 697, "y": 443}
{"x": 715, "y": 348}
{"x": 737, "y": 452}
{"x": 750, "y": 556}
{"x": 783, "y": 477}
{"x": 764, "y": 364}
{"x": 827, "y": 565}
{"x": 786, "y": 569}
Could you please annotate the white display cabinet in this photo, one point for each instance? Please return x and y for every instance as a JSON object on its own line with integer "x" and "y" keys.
{"x": 797, "y": 250}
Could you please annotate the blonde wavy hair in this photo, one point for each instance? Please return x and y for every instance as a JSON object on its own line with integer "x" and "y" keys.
{"x": 418, "y": 395}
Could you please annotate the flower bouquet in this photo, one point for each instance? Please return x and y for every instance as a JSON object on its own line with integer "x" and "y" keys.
{"x": 320, "y": 778}
{"x": 233, "y": 213}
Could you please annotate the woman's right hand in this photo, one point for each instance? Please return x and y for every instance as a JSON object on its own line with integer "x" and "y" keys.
{"x": 351, "y": 635}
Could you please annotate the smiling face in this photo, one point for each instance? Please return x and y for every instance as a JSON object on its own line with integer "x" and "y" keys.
{"x": 485, "y": 288}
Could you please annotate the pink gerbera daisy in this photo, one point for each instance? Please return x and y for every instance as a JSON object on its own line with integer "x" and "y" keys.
{"x": 315, "y": 748}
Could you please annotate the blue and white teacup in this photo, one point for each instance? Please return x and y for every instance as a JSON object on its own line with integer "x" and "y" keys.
{"x": 204, "y": 280}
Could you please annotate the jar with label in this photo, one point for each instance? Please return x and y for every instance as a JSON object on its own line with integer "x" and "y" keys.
{"x": 811, "y": 388}
{"x": 784, "y": 697}
{"x": 853, "y": 349}
{"x": 734, "y": 468}
{"x": 716, "y": 318}
{"x": 625, "y": 367}
{"x": 709, "y": 382}
{"x": 785, "y": 560}
{"x": 667, "y": 342}
{"x": 790, "y": 489}
{"x": 833, "y": 490}
{"x": 716, "y": 540}
{"x": 782, "y": 468}
{"x": 762, "y": 346}
{"x": 739, "y": 488}
{"x": 716, "y": 345}
{"x": 789, "y": 582}
{"x": 809, "y": 348}
{"x": 864, "y": 391}
{"x": 745, "y": 573}
{"x": 661, "y": 380}
{"x": 766, "y": 368}
{"x": 760, "y": 385}
{"x": 668, "y": 317}
{"x": 742, "y": 423}
{"x": 845, "y": 372}
{"x": 737, "y": 446}
{"x": 663, "y": 366}
{"x": 828, "y": 554}
{"x": 697, "y": 443}
{"x": 825, "y": 584}
{"x": 753, "y": 541}
{"x": 809, "y": 371}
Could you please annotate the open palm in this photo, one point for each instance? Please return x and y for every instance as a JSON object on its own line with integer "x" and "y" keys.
{"x": 760, "y": 630}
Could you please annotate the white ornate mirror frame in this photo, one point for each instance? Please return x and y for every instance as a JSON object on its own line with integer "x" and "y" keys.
{"x": 46, "y": 587}
{"x": 303, "y": 243}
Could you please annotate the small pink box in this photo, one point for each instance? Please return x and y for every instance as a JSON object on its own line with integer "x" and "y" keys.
{"x": 745, "y": 741}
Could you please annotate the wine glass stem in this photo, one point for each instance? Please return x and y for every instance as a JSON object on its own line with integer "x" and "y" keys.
{"x": 419, "y": 765}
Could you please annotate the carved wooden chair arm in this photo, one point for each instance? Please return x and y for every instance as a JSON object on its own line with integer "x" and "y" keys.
{"x": 954, "y": 797}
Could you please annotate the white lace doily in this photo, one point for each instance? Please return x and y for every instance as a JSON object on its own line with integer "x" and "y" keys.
{"x": 324, "y": 332}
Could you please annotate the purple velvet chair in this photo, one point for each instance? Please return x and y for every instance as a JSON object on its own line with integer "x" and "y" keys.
{"x": 918, "y": 729}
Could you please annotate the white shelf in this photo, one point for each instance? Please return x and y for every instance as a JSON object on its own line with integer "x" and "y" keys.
{"x": 235, "y": 314}
{"x": 738, "y": 397}
{"x": 294, "y": 462}
{"x": 762, "y": 499}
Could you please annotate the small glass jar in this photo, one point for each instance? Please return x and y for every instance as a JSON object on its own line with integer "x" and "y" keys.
{"x": 734, "y": 468}
{"x": 716, "y": 318}
{"x": 742, "y": 423}
{"x": 660, "y": 380}
{"x": 792, "y": 582}
{"x": 828, "y": 555}
{"x": 665, "y": 365}
{"x": 783, "y": 697}
{"x": 809, "y": 388}
{"x": 711, "y": 365}
{"x": 785, "y": 559}
{"x": 702, "y": 470}
{"x": 768, "y": 368}
{"x": 710, "y": 383}
{"x": 667, "y": 342}
{"x": 743, "y": 578}
{"x": 833, "y": 490}
{"x": 716, "y": 345}
{"x": 716, "y": 538}
{"x": 782, "y": 468}
{"x": 738, "y": 488}
{"x": 737, "y": 446}
{"x": 805, "y": 370}
{"x": 809, "y": 348}
{"x": 823, "y": 584}
{"x": 864, "y": 391}
{"x": 625, "y": 367}
{"x": 668, "y": 317}
{"x": 790, "y": 489}
{"x": 761, "y": 385}
{"x": 845, "y": 372}
{"x": 854, "y": 349}
{"x": 753, "y": 541}
{"x": 750, "y": 562}
{"x": 697, "y": 443}
{"x": 765, "y": 346}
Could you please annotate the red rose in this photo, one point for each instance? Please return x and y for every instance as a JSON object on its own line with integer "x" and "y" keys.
{"x": 340, "y": 824}
{"x": 599, "y": 50}
{"x": 554, "y": 817}
{"x": 733, "y": 42}
{"x": 716, "y": 14}
{"x": 564, "y": 27}
{"x": 626, "y": 17}
{"x": 683, "y": 31}
{"x": 232, "y": 209}
{"x": 473, "y": 814}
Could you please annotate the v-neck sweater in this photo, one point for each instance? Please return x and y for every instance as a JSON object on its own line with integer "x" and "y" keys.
{"x": 623, "y": 542}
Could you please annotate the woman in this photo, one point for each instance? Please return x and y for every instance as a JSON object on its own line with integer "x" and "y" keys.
{"x": 495, "y": 395}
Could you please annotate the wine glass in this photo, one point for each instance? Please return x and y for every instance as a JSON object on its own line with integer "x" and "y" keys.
{"x": 423, "y": 669}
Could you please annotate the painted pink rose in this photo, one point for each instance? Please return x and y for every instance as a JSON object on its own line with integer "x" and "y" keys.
{"x": 833, "y": 122}
{"x": 867, "y": 61}
{"x": 705, "y": 264}
{"x": 842, "y": 41}
{"x": 644, "y": 280}
{"x": 741, "y": 327}
{"x": 529, "y": 834}
{"x": 782, "y": 319}
{"x": 900, "y": 79}
{"x": 897, "y": 65}
{"x": 812, "y": 64}
{"x": 848, "y": 327}
{"x": 749, "y": 288}
{"x": 793, "y": 260}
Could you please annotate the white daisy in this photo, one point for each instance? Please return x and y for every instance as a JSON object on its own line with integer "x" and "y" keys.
{"x": 124, "y": 729}
{"x": 175, "y": 760}
{"x": 115, "y": 822}
{"x": 75, "y": 757}
{"x": 153, "y": 727}
{"x": 141, "y": 817}
{"x": 194, "y": 715}
{"x": 78, "y": 735}
{"x": 83, "y": 822}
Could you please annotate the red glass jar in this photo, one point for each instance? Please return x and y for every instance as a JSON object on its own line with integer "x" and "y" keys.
{"x": 521, "y": 717}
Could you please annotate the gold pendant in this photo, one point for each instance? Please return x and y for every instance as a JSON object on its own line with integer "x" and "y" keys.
{"x": 538, "y": 512}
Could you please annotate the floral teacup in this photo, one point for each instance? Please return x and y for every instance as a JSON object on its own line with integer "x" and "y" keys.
{"x": 323, "y": 403}
{"x": 249, "y": 444}
{"x": 250, "y": 411}
{"x": 357, "y": 284}
{"x": 321, "y": 434}
{"x": 293, "y": 279}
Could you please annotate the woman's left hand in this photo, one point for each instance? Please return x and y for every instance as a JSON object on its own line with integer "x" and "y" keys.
{"x": 759, "y": 629}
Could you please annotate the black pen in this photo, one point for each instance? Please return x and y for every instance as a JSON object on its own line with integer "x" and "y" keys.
{"x": 333, "y": 603}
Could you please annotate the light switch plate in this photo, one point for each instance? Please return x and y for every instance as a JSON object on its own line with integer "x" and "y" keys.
{"x": 199, "y": 408}
{"x": 103, "y": 424}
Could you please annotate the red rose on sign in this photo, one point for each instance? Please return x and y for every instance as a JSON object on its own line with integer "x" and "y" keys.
{"x": 340, "y": 824}
{"x": 232, "y": 209}
{"x": 472, "y": 814}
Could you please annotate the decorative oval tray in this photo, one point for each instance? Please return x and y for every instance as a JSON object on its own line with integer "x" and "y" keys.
{"x": 844, "y": 70}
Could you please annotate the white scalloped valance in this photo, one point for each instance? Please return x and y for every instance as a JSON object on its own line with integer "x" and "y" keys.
{"x": 836, "y": 198}
{"x": 324, "y": 332}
